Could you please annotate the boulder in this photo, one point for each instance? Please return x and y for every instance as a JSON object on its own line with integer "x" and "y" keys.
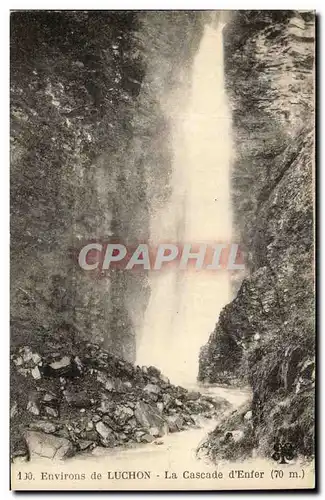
{"x": 103, "y": 430}
{"x": 152, "y": 389}
{"x": 237, "y": 435}
{"x": 106, "y": 407}
{"x": 50, "y": 398}
{"x": 85, "y": 445}
{"x": 78, "y": 399}
{"x": 63, "y": 364}
{"x": 154, "y": 431}
{"x": 122, "y": 414}
{"x": 175, "y": 423}
{"x": 165, "y": 380}
{"x": 14, "y": 410}
{"x": 52, "y": 412}
{"x": 106, "y": 434}
{"x": 147, "y": 416}
{"x": 160, "y": 406}
{"x": 42, "y": 445}
{"x": 167, "y": 399}
{"x": 154, "y": 372}
{"x": 36, "y": 374}
{"x": 110, "y": 423}
{"x": 193, "y": 396}
{"x": 43, "y": 426}
{"x": 33, "y": 408}
{"x": 248, "y": 415}
{"x": 147, "y": 438}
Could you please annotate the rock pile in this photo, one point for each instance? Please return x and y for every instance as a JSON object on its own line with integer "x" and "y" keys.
{"x": 70, "y": 401}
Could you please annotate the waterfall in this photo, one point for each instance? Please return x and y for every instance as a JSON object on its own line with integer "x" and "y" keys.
{"x": 184, "y": 305}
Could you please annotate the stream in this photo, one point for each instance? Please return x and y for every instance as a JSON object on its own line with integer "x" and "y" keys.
{"x": 176, "y": 452}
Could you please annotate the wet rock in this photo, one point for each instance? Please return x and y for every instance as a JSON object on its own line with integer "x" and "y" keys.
{"x": 147, "y": 438}
{"x": 41, "y": 445}
{"x": 103, "y": 430}
{"x": 175, "y": 423}
{"x": 154, "y": 431}
{"x": 192, "y": 396}
{"x": 189, "y": 419}
{"x": 138, "y": 435}
{"x": 147, "y": 416}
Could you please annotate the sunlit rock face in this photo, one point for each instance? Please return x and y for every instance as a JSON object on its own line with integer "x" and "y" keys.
{"x": 90, "y": 155}
{"x": 266, "y": 334}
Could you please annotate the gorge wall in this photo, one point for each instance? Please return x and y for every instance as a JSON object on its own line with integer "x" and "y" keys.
{"x": 266, "y": 334}
{"x": 90, "y": 155}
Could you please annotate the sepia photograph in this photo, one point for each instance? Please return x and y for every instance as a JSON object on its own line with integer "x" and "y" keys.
{"x": 162, "y": 250}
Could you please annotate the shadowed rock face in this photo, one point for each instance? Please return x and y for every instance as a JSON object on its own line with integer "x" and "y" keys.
{"x": 90, "y": 154}
{"x": 266, "y": 334}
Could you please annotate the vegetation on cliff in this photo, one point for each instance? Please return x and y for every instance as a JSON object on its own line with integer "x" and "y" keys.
{"x": 266, "y": 335}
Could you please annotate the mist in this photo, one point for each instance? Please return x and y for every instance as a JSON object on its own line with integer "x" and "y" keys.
{"x": 184, "y": 305}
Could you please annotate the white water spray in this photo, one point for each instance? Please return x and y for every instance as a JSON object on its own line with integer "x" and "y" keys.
{"x": 184, "y": 305}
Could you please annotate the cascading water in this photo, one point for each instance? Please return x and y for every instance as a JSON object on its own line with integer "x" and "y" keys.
{"x": 184, "y": 305}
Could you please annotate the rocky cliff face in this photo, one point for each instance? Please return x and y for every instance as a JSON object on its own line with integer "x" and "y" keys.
{"x": 90, "y": 154}
{"x": 266, "y": 334}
